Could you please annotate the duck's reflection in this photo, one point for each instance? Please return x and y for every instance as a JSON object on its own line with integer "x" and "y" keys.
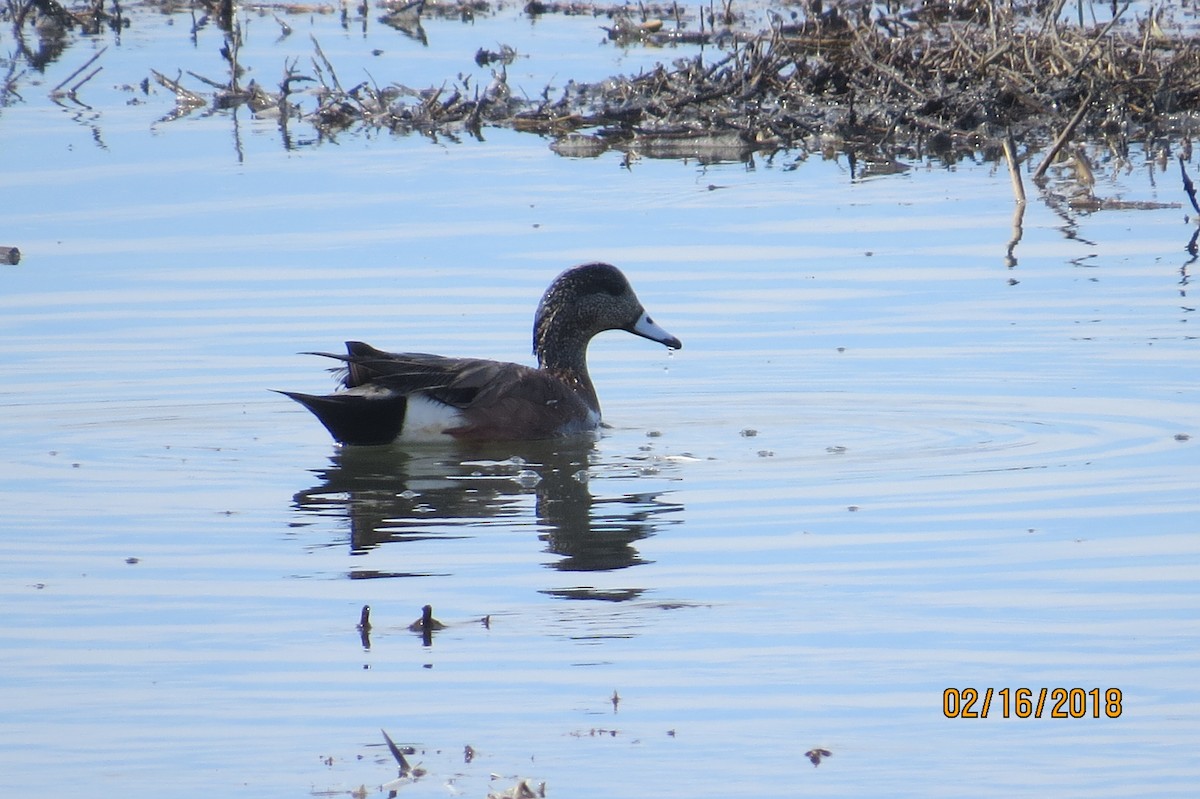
{"x": 387, "y": 495}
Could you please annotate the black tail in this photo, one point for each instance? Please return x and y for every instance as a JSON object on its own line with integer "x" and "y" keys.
{"x": 355, "y": 419}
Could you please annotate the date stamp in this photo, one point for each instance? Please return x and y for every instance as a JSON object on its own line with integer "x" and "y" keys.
{"x": 1024, "y": 703}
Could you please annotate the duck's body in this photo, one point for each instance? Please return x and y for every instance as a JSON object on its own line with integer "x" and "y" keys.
{"x": 416, "y": 396}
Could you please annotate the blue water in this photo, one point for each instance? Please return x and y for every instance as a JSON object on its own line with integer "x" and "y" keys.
{"x": 884, "y": 464}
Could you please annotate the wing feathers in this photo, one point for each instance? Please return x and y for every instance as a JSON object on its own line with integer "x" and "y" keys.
{"x": 495, "y": 400}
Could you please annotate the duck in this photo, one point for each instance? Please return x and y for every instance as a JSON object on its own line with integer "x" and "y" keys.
{"x": 390, "y": 397}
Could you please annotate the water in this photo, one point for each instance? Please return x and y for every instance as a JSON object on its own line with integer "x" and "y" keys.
{"x": 886, "y": 463}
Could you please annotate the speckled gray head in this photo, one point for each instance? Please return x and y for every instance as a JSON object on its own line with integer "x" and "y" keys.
{"x": 588, "y": 299}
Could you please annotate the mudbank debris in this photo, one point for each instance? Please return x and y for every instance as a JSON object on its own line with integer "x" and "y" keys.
{"x": 879, "y": 81}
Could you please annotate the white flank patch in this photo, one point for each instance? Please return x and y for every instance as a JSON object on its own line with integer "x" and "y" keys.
{"x": 588, "y": 424}
{"x": 427, "y": 420}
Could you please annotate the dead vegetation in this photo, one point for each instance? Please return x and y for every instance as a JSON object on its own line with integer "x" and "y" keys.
{"x": 935, "y": 79}
{"x": 880, "y": 82}
{"x": 941, "y": 79}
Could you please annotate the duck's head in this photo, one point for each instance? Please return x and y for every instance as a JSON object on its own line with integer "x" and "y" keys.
{"x": 586, "y": 300}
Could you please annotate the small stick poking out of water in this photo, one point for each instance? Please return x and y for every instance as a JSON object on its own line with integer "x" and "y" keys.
{"x": 1014, "y": 169}
{"x": 426, "y": 625}
{"x": 427, "y": 621}
{"x": 1063, "y": 138}
{"x": 405, "y": 768}
{"x": 364, "y": 627}
{"x": 1188, "y": 186}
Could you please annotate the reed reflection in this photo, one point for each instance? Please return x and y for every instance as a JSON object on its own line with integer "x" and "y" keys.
{"x": 387, "y": 495}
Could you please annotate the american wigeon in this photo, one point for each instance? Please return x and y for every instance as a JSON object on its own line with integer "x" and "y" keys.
{"x": 391, "y": 396}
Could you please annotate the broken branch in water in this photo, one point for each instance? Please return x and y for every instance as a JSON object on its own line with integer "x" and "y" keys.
{"x": 185, "y": 101}
{"x": 1014, "y": 169}
{"x": 1063, "y": 138}
{"x": 328, "y": 66}
{"x": 57, "y": 90}
{"x": 405, "y": 768}
{"x": 219, "y": 86}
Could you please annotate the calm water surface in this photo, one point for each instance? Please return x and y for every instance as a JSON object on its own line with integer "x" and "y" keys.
{"x": 885, "y": 463}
